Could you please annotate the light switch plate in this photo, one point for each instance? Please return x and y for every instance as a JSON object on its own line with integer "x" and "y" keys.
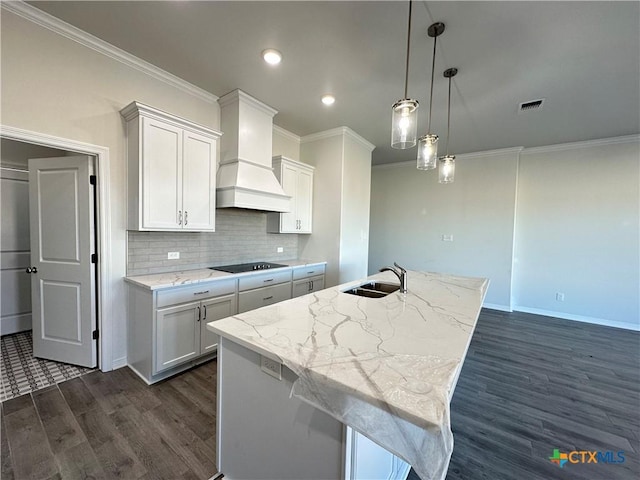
{"x": 279, "y": 249}
{"x": 173, "y": 255}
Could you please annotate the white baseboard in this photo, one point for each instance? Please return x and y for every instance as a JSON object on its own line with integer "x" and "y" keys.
{"x": 119, "y": 363}
{"x": 15, "y": 323}
{"x": 579, "y": 318}
{"x": 495, "y": 306}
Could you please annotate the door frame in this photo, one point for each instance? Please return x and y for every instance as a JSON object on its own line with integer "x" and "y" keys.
{"x": 103, "y": 209}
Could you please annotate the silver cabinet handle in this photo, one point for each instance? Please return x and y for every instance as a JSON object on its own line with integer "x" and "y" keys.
{"x": 198, "y": 313}
{"x": 186, "y": 218}
{"x": 179, "y": 217}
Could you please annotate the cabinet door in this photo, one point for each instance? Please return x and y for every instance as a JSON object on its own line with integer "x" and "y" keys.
{"x": 177, "y": 335}
{"x": 161, "y": 175}
{"x": 317, "y": 283}
{"x": 289, "y": 182}
{"x": 199, "y": 182}
{"x": 304, "y": 196}
{"x": 214, "y": 309}
{"x": 307, "y": 285}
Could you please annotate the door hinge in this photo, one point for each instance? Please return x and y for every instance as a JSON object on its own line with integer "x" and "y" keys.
{"x": 95, "y": 334}
{"x": 94, "y": 258}
{"x": 92, "y": 179}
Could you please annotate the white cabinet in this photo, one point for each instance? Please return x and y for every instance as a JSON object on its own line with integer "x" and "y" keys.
{"x": 307, "y": 279}
{"x": 167, "y": 328}
{"x": 296, "y": 179}
{"x": 171, "y": 171}
{"x": 181, "y": 333}
{"x": 264, "y": 289}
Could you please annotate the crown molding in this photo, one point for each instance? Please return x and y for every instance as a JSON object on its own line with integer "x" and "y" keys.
{"x": 335, "y": 132}
{"x": 237, "y": 95}
{"x": 286, "y": 133}
{"x": 584, "y": 144}
{"x": 34, "y": 15}
{"x": 462, "y": 156}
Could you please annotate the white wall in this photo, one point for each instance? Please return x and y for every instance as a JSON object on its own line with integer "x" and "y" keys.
{"x": 56, "y": 86}
{"x": 411, "y": 211}
{"x": 356, "y": 194}
{"x": 577, "y": 232}
{"x": 285, "y": 143}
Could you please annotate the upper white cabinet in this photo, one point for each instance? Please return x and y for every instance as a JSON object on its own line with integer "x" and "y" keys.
{"x": 296, "y": 179}
{"x": 171, "y": 171}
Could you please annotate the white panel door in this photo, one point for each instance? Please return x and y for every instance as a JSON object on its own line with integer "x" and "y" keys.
{"x": 214, "y": 309}
{"x": 161, "y": 176}
{"x": 62, "y": 287}
{"x": 199, "y": 182}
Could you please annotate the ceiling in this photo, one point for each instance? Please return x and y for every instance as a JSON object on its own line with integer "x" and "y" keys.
{"x": 583, "y": 58}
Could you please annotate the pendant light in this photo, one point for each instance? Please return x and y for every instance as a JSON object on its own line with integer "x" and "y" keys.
{"x": 447, "y": 167}
{"x": 428, "y": 143}
{"x": 404, "y": 121}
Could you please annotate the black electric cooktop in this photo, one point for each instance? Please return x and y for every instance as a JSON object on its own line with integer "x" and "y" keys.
{"x": 247, "y": 267}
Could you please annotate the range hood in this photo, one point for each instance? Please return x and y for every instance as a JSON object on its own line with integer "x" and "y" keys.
{"x": 245, "y": 177}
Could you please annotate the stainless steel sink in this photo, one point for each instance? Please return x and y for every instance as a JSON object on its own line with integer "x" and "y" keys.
{"x": 373, "y": 289}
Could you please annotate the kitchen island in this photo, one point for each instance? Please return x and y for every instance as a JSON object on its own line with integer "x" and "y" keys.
{"x": 309, "y": 387}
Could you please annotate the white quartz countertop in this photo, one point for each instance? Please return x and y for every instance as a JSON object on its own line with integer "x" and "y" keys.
{"x": 159, "y": 281}
{"x": 400, "y": 355}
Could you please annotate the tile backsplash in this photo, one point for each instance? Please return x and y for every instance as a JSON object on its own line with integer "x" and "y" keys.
{"x": 241, "y": 236}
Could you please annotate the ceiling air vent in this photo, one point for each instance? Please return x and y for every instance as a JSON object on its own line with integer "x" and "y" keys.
{"x": 531, "y": 105}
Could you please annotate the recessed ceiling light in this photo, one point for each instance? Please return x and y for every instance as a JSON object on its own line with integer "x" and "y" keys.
{"x": 328, "y": 99}
{"x": 271, "y": 56}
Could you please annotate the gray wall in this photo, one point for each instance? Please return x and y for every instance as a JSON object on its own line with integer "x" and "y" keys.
{"x": 558, "y": 219}
{"x": 240, "y": 237}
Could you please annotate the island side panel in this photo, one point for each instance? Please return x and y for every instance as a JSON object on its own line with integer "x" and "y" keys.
{"x": 265, "y": 434}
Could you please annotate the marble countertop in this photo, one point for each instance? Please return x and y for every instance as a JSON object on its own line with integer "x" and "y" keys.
{"x": 396, "y": 358}
{"x": 159, "y": 281}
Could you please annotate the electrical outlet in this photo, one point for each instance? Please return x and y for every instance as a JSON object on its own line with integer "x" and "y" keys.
{"x": 173, "y": 255}
{"x": 560, "y": 297}
{"x": 271, "y": 367}
{"x": 279, "y": 249}
{"x": 447, "y": 238}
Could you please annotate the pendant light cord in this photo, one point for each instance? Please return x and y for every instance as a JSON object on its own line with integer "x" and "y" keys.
{"x": 433, "y": 67}
{"x": 406, "y": 73}
{"x": 448, "y": 117}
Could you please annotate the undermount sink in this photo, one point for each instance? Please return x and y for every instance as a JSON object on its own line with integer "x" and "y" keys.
{"x": 373, "y": 289}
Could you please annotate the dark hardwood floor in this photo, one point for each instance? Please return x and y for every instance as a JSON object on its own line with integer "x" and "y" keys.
{"x": 112, "y": 425}
{"x": 529, "y": 385}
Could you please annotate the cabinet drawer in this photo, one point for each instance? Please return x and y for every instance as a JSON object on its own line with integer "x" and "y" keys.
{"x": 264, "y": 279}
{"x": 261, "y": 297}
{"x": 173, "y": 296}
{"x": 309, "y": 271}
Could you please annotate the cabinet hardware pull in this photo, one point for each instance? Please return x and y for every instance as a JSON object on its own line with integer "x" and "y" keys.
{"x": 204, "y": 312}
{"x": 198, "y": 313}
{"x": 185, "y": 218}
{"x": 268, "y": 298}
{"x": 310, "y": 286}
{"x": 268, "y": 280}
{"x": 34, "y": 270}
{"x": 179, "y": 217}
{"x": 28, "y": 270}
{"x": 311, "y": 272}
{"x": 202, "y": 292}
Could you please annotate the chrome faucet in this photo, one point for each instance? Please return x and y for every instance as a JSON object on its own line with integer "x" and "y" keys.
{"x": 401, "y": 273}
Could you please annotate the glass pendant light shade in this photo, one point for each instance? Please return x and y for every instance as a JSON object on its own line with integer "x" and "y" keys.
{"x": 447, "y": 169}
{"x": 427, "y": 152}
{"x": 404, "y": 123}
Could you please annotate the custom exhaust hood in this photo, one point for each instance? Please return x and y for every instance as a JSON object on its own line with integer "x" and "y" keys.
{"x": 245, "y": 177}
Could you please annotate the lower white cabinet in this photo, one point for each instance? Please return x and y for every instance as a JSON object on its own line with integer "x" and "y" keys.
{"x": 181, "y": 333}
{"x": 167, "y": 328}
{"x": 307, "y": 279}
{"x": 263, "y": 289}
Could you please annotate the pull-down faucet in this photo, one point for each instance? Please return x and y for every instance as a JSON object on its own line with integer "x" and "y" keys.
{"x": 401, "y": 273}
